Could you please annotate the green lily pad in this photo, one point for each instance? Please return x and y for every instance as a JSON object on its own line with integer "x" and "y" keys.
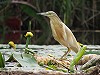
{"x": 26, "y": 60}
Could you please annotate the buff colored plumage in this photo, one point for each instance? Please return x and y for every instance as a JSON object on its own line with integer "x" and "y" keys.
{"x": 62, "y": 33}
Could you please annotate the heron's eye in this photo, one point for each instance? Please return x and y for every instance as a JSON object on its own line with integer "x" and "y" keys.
{"x": 49, "y": 13}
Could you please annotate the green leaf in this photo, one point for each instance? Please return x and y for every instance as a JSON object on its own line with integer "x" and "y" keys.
{"x": 26, "y": 60}
{"x": 2, "y": 63}
{"x": 77, "y": 58}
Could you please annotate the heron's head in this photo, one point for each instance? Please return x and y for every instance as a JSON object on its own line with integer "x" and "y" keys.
{"x": 48, "y": 14}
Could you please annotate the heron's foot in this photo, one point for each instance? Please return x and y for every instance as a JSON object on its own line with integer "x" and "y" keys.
{"x": 63, "y": 57}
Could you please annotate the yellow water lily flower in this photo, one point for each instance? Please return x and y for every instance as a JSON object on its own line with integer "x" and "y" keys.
{"x": 11, "y": 44}
{"x": 29, "y": 34}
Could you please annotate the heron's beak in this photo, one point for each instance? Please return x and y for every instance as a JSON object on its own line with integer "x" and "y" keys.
{"x": 42, "y": 14}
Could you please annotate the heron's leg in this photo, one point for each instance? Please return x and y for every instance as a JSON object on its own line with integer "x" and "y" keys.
{"x": 65, "y": 54}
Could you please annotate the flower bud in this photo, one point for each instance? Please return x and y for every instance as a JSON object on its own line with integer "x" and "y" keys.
{"x": 29, "y": 34}
{"x": 11, "y": 44}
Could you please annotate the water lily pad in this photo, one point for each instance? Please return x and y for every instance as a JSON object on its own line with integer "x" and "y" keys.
{"x": 26, "y": 60}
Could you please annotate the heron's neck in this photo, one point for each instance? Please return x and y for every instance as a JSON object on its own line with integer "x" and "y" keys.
{"x": 55, "y": 19}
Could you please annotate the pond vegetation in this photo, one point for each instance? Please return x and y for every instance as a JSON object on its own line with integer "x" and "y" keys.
{"x": 18, "y": 17}
{"x": 42, "y": 58}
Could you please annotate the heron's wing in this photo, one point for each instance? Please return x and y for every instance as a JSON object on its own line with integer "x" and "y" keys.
{"x": 60, "y": 31}
{"x": 60, "y": 34}
{"x": 72, "y": 40}
{"x": 64, "y": 32}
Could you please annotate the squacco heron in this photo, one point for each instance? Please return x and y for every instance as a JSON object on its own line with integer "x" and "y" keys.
{"x": 62, "y": 33}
